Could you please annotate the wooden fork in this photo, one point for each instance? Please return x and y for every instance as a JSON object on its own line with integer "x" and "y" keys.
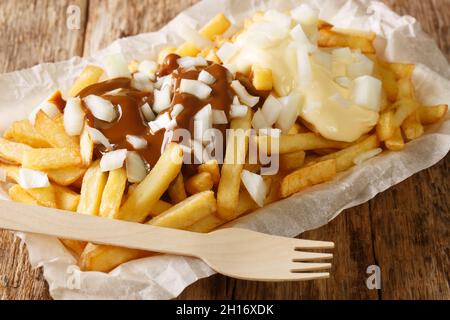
{"x": 236, "y": 253}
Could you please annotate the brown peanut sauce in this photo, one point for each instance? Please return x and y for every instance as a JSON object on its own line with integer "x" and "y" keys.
{"x": 128, "y": 101}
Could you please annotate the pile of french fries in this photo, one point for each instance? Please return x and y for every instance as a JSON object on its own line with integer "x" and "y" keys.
{"x": 214, "y": 195}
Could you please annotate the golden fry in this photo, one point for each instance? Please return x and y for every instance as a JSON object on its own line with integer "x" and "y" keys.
{"x": 200, "y": 182}
{"x": 431, "y": 115}
{"x": 412, "y": 128}
{"x": 396, "y": 143}
{"x": 18, "y": 194}
{"x": 330, "y": 39}
{"x": 212, "y": 167}
{"x": 86, "y": 147}
{"x": 65, "y": 176}
{"x": 12, "y": 151}
{"x": 262, "y": 79}
{"x": 89, "y": 76}
{"x": 187, "y": 49}
{"x": 292, "y": 161}
{"x": 298, "y": 180}
{"x": 215, "y": 27}
{"x": 53, "y": 131}
{"x": 66, "y": 198}
{"x": 386, "y": 125}
{"x": 206, "y": 224}
{"x": 24, "y": 132}
{"x": 401, "y": 70}
{"x": 159, "y": 207}
{"x": 403, "y": 109}
{"x": 94, "y": 182}
{"x": 177, "y": 192}
{"x": 113, "y": 193}
{"x": 50, "y": 158}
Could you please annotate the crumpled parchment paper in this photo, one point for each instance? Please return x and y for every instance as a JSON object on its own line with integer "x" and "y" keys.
{"x": 164, "y": 277}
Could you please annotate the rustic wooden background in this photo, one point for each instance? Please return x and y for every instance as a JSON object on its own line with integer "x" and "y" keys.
{"x": 405, "y": 230}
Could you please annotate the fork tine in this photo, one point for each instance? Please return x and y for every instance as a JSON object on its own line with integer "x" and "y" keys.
{"x": 312, "y": 244}
{"x": 303, "y": 276}
{"x": 309, "y": 256}
{"x": 301, "y": 266}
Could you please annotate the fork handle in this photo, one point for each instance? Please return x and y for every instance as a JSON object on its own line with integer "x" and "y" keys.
{"x": 67, "y": 225}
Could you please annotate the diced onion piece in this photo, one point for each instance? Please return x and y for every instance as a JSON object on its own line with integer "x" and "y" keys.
{"x": 278, "y": 18}
{"x": 271, "y": 109}
{"x": 203, "y": 121}
{"x": 244, "y": 96}
{"x": 255, "y": 186}
{"x": 219, "y": 117}
{"x": 289, "y": 112}
{"x": 101, "y": 108}
{"x": 344, "y": 82}
{"x": 343, "y": 55}
{"x": 303, "y": 67}
{"x": 142, "y": 82}
{"x": 189, "y": 62}
{"x": 2, "y": 175}
{"x": 136, "y": 142}
{"x": 166, "y": 81}
{"x": 148, "y": 68}
{"x": 176, "y": 110}
{"x": 363, "y": 67}
{"x": 73, "y": 117}
{"x": 324, "y": 59}
{"x": 236, "y": 101}
{"x": 116, "y": 66}
{"x": 161, "y": 122}
{"x": 340, "y": 100}
{"x": 305, "y": 14}
{"x": 300, "y": 38}
{"x": 162, "y": 99}
{"x": 136, "y": 168}
{"x": 113, "y": 160}
{"x": 172, "y": 124}
{"x": 147, "y": 112}
{"x": 271, "y": 132}
{"x": 258, "y": 121}
{"x": 206, "y": 77}
{"x": 98, "y": 137}
{"x": 191, "y": 35}
{"x": 49, "y": 108}
{"x": 196, "y": 88}
{"x": 366, "y": 92}
{"x": 226, "y": 52}
{"x": 32, "y": 179}
{"x": 311, "y": 105}
{"x": 238, "y": 111}
{"x": 367, "y": 155}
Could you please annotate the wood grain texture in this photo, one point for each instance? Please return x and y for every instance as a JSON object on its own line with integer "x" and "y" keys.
{"x": 403, "y": 230}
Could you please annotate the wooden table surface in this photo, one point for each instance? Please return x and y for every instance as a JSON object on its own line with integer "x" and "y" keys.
{"x": 404, "y": 231}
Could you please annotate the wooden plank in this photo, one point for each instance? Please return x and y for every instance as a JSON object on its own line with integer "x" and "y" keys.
{"x": 32, "y": 32}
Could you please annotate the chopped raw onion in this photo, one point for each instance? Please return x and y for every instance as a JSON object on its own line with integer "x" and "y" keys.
{"x": 303, "y": 67}
{"x": 136, "y": 168}
{"x": 300, "y": 39}
{"x": 289, "y": 112}
{"x": 32, "y": 179}
{"x": 189, "y": 62}
{"x": 258, "y": 121}
{"x": 255, "y": 186}
{"x": 191, "y": 35}
{"x": 113, "y": 160}
{"x": 101, "y": 108}
{"x": 366, "y": 92}
{"x": 176, "y": 110}
{"x": 278, "y": 18}
{"x": 343, "y": 55}
{"x": 340, "y": 100}
{"x": 219, "y": 117}
{"x": 49, "y": 108}
{"x": 161, "y": 122}
{"x": 271, "y": 132}
{"x": 98, "y": 137}
{"x": 162, "y": 99}
{"x": 142, "y": 82}
{"x": 203, "y": 121}
{"x": 117, "y": 67}
{"x": 324, "y": 59}
{"x": 73, "y": 117}
{"x": 363, "y": 67}
{"x": 244, "y": 96}
{"x": 305, "y": 14}
{"x": 136, "y": 142}
{"x": 226, "y": 52}
{"x": 238, "y": 111}
{"x": 166, "y": 81}
{"x": 148, "y": 68}
{"x": 271, "y": 110}
{"x": 196, "y": 88}
{"x": 206, "y": 77}
{"x": 311, "y": 105}
{"x": 147, "y": 112}
{"x": 367, "y": 155}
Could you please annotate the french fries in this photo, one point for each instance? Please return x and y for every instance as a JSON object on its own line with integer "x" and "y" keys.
{"x": 200, "y": 182}
{"x": 262, "y": 79}
{"x": 292, "y": 161}
{"x": 311, "y": 175}
{"x": 53, "y": 131}
{"x": 24, "y": 132}
{"x": 401, "y": 70}
{"x": 44, "y": 196}
{"x": 298, "y": 142}
{"x": 75, "y": 246}
{"x": 50, "y": 158}
{"x": 215, "y": 27}
{"x": 65, "y": 176}
{"x": 148, "y": 192}
{"x": 159, "y": 207}
{"x": 187, "y": 49}
{"x": 89, "y": 76}
{"x": 403, "y": 109}
{"x": 212, "y": 167}
{"x": 206, "y": 224}
{"x": 94, "y": 182}
{"x": 66, "y": 198}
{"x": 18, "y": 194}
{"x": 12, "y": 151}
{"x": 230, "y": 182}
{"x": 177, "y": 192}
{"x": 386, "y": 125}
{"x": 331, "y": 39}
{"x": 412, "y": 128}
{"x": 396, "y": 142}
{"x": 113, "y": 193}
{"x": 86, "y": 148}
{"x": 431, "y": 115}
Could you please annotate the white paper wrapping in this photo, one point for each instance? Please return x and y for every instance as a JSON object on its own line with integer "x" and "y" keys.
{"x": 164, "y": 277}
